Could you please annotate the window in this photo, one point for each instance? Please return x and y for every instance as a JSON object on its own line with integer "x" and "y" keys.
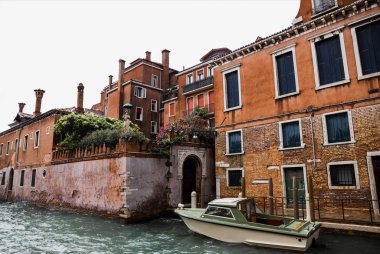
{"x": 343, "y": 174}
{"x": 139, "y": 113}
{"x": 189, "y": 79}
{"x": 211, "y": 122}
{"x": 234, "y": 177}
{"x": 154, "y": 81}
{"x": 290, "y": 134}
{"x": 16, "y": 145}
{"x": 366, "y": 46}
{"x": 153, "y": 127}
{"x": 8, "y": 147}
{"x": 47, "y": 130}
{"x": 337, "y": 128}
{"x": 140, "y": 92}
{"x": 201, "y": 102}
{"x": 210, "y": 71}
{"x": 231, "y": 83}
{"x": 219, "y": 211}
{"x": 285, "y": 72}
{"x": 22, "y": 176}
{"x": 171, "y": 109}
{"x": 200, "y": 75}
{"x": 33, "y": 183}
{"x": 322, "y": 5}
{"x": 31, "y": 136}
{"x": 37, "y": 140}
{"x": 26, "y": 140}
{"x": 1, "y": 149}
{"x": 234, "y": 142}
{"x": 211, "y": 107}
{"x": 3, "y": 178}
{"x": 153, "y": 105}
{"x": 190, "y": 104}
{"x": 329, "y": 59}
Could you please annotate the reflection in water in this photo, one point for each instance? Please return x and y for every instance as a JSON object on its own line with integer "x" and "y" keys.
{"x": 27, "y": 229}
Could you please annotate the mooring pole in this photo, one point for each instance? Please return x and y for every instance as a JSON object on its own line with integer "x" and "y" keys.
{"x": 295, "y": 199}
{"x": 193, "y": 199}
{"x": 270, "y": 186}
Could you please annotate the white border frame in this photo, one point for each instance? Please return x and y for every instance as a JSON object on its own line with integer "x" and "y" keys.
{"x": 142, "y": 114}
{"x": 143, "y": 92}
{"x": 156, "y": 127}
{"x": 315, "y": 60}
{"x": 151, "y": 103}
{"x": 281, "y": 147}
{"x": 350, "y": 124}
{"x": 241, "y": 141}
{"x": 359, "y": 69}
{"x": 225, "y": 88}
{"x": 228, "y": 179}
{"x": 290, "y": 48}
{"x": 170, "y": 115}
{"x": 37, "y": 142}
{"x": 356, "y": 172}
{"x": 372, "y": 181}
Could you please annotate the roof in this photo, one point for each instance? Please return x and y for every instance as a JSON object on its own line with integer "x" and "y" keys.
{"x": 215, "y": 53}
{"x": 227, "y": 202}
{"x": 86, "y": 111}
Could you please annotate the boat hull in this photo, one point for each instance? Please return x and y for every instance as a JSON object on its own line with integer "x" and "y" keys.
{"x": 232, "y": 234}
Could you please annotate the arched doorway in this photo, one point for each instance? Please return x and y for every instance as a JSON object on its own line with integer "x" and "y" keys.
{"x": 11, "y": 174}
{"x": 192, "y": 174}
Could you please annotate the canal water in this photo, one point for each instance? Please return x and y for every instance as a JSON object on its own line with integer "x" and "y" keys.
{"x": 25, "y": 228}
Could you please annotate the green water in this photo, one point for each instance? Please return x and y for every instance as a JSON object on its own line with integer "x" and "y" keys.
{"x": 25, "y": 228}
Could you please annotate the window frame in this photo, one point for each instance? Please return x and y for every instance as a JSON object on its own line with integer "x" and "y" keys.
{"x": 187, "y": 78}
{"x": 152, "y": 80}
{"x": 228, "y": 179}
{"x": 204, "y": 104}
{"x": 281, "y": 147}
{"x": 210, "y": 71}
{"x": 37, "y": 139}
{"x": 187, "y": 105}
{"x": 217, "y": 216}
{"x": 17, "y": 145}
{"x": 173, "y": 109}
{"x": 152, "y": 102}
{"x": 359, "y": 69}
{"x": 26, "y": 143}
{"x": 1, "y": 149}
{"x": 356, "y": 173}
{"x": 237, "y": 68}
{"x": 155, "y": 128}
{"x": 350, "y": 124}
{"x": 321, "y": 12}
{"x": 48, "y": 130}
{"x": 142, "y": 114}
{"x": 33, "y": 179}
{"x": 203, "y": 74}
{"x": 241, "y": 142}
{"x": 143, "y": 92}
{"x": 290, "y": 48}
{"x": 8, "y": 148}
{"x": 322, "y": 37}
{"x": 22, "y": 178}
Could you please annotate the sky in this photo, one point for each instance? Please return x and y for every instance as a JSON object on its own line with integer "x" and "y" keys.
{"x": 55, "y": 45}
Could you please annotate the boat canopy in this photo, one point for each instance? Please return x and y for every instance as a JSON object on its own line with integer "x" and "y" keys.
{"x": 227, "y": 202}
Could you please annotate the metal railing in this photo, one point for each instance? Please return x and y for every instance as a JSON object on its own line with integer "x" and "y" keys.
{"x": 281, "y": 206}
{"x": 198, "y": 84}
{"x": 320, "y": 6}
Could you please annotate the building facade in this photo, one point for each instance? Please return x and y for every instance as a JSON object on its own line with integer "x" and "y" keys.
{"x": 303, "y": 102}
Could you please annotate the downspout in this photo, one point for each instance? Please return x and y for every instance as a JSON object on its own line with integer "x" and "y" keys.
{"x": 310, "y": 195}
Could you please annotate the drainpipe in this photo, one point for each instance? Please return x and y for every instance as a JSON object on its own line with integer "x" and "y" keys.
{"x": 310, "y": 191}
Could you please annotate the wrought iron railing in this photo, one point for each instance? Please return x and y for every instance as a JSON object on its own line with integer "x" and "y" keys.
{"x": 198, "y": 84}
{"x": 320, "y": 6}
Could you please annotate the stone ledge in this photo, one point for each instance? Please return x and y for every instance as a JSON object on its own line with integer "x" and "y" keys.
{"x": 351, "y": 227}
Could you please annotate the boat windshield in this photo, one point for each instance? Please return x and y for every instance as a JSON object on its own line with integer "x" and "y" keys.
{"x": 219, "y": 211}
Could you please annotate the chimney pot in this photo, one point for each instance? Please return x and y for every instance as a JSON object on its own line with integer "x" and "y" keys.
{"x": 21, "y": 106}
{"x": 165, "y": 65}
{"x": 39, "y": 94}
{"x": 110, "y": 80}
{"x": 148, "y": 55}
{"x": 80, "y": 93}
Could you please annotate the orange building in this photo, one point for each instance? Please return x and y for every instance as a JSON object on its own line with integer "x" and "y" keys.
{"x": 141, "y": 84}
{"x": 303, "y": 102}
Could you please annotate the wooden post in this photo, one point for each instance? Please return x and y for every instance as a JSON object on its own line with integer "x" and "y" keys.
{"x": 295, "y": 199}
{"x": 243, "y": 187}
{"x": 311, "y": 198}
{"x": 270, "y": 186}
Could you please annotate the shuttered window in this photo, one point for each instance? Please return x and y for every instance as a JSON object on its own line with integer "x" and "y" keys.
{"x": 232, "y": 89}
{"x": 201, "y": 102}
{"x": 190, "y": 105}
{"x": 330, "y": 61}
{"x": 285, "y": 73}
{"x": 342, "y": 175}
{"x": 338, "y": 128}
{"x": 368, "y": 37}
{"x": 234, "y": 142}
{"x": 291, "y": 134}
{"x": 171, "y": 109}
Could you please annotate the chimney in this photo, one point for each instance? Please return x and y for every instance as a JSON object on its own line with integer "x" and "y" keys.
{"x": 165, "y": 64}
{"x": 80, "y": 108}
{"x": 110, "y": 80}
{"x": 120, "y": 87}
{"x": 39, "y": 95}
{"x": 21, "y": 106}
{"x": 147, "y": 55}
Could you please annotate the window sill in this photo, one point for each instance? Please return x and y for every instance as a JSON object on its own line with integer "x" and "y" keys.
{"x": 235, "y": 187}
{"x": 339, "y": 143}
{"x": 344, "y": 187}
{"x": 291, "y": 148}
{"x": 231, "y": 154}
{"x": 231, "y": 109}
{"x": 286, "y": 95}
{"x": 346, "y": 81}
{"x": 369, "y": 75}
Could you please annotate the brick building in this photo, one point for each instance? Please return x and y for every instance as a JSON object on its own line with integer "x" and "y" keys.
{"x": 304, "y": 102}
{"x": 141, "y": 84}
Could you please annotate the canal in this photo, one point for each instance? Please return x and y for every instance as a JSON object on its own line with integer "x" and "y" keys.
{"x": 25, "y": 228}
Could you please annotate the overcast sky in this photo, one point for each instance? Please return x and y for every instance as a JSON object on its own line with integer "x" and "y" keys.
{"x": 54, "y": 45}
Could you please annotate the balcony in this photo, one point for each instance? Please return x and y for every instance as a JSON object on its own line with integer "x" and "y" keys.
{"x": 198, "y": 84}
{"x": 320, "y": 6}
{"x": 210, "y": 109}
